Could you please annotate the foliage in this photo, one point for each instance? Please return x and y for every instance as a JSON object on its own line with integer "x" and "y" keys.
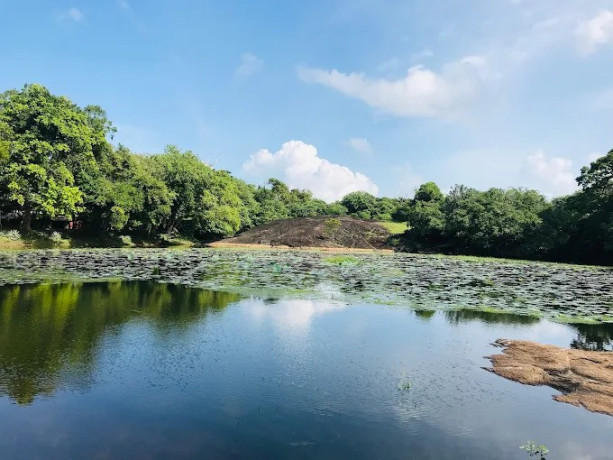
{"x": 331, "y": 226}
{"x": 50, "y": 142}
{"x": 535, "y": 451}
{"x": 360, "y": 204}
{"x": 10, "y": 235}
{"x": 56, "y": 238}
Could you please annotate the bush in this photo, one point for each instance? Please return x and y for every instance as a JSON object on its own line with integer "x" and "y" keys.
{"x": 331, "y": 226}
{"x": 126, "y": 240}
{"x": 11, "y": 235}
{"x": 56, "y": 237}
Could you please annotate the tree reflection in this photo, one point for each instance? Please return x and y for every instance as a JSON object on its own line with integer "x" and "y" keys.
{"x": 463, "y": 316}
{"x": 425, "y": 314}
{"x": 595, "y": 337}
{"x": 49, "y": 334}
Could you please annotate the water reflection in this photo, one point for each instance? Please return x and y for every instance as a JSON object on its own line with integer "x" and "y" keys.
{"x": 293, "y": 315}
{"x": 49, "y": 334}
{"x": 596, "y": 337}
{"x": 464, "y": 316}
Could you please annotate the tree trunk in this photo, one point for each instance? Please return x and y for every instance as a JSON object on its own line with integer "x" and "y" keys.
{"x": 26, "y": 220}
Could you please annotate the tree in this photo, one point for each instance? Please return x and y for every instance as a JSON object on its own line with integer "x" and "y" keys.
{"x": 50, "y": 142}
{"x": 360, "y": 204}
{"x": 597, "y": 178}
{"x": 592, "y": 236}
{"x": 186, "y": 177}
{"x": 495, "y": 222}
{"x": 425, "y": 215}
{"x": 221, "y": 206}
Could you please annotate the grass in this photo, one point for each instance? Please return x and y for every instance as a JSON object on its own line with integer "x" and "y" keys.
{"x": 395, "y": 228}
{"x": 12, "y": 240}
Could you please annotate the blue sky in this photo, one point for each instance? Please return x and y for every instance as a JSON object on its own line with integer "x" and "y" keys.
{"x": 335, "y": 96}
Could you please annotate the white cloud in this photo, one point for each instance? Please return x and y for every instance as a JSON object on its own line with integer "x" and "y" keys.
{"x": 123, "y": 4}
{"x": 250, "y": 65}
{"x": 554, "y": 176}
{"x": 421, "y": 93}
{"x": 74, "y": 14}
{"x": 360, "y": 145}
{"x": 595, "y": 32}
{"x": 299, "y": 165}
{"x": 483, "y": 169}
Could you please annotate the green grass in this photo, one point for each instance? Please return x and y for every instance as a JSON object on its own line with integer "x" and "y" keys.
{"x": 395, "y": 228}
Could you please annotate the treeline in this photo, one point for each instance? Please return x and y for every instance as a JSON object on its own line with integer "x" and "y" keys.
{"x": 57, "y": 163}
{"x": 518, "y": 223}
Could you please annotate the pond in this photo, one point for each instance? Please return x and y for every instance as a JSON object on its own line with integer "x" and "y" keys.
{"x": 143, "y": 369}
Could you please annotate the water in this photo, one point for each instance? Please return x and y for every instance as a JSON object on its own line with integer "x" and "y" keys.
{"x": 148, "y": 370}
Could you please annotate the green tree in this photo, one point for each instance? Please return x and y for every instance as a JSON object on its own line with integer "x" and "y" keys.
{"x": 186, "y": 177}
{"x": 360, "y": 204}
{"x": 495, "y": 222}
{"x": 221, "y": 206}
{"x": 597, "y": 178}
{"x": 425, "y": 215}
{"x": 50, "y": 142}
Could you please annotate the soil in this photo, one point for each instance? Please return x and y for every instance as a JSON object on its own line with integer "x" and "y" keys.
{"x": 585, "y": 378}
{"x": 315, "y": 232}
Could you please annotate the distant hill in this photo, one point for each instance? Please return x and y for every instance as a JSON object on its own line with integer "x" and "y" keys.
{"x": 315, "y": 232}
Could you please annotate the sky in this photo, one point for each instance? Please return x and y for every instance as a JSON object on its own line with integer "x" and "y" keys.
{"x": 336, "y": 96}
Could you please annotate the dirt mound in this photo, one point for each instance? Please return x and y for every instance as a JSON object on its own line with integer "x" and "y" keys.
{"x": 316, "y": 232}
{"x": 585, "y": 378}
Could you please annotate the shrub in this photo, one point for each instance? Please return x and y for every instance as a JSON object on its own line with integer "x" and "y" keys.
{"x": 331, "y": 226}
{"x": 126, "y": 240}
{"x": 12, "y": 235}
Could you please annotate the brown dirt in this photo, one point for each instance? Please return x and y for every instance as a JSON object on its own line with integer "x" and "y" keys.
{"x": 314, "y": 233}
{"x": 585, "y": 378}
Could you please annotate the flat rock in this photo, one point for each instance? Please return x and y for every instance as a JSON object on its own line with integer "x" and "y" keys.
{"x": 585, "y": 378}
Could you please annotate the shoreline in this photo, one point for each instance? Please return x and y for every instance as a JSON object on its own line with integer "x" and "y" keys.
{"x": 228, "y": 245}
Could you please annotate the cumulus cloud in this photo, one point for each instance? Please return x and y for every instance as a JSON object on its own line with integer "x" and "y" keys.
{"x": 360, "y": 145}
{"x": 482, "y": 169}
{"x": 299, "y": 165}
{"x": 250, "y": 65}
{"x": 554, "y": 176}
{"x": 595, "y": 32}
{"x": 421, "y": 93}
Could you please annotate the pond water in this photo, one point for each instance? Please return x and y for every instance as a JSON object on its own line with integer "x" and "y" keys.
{"x": 140, "y": 369}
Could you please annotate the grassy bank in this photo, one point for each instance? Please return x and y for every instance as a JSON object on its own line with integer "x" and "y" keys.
{"x": 13, "y": 240}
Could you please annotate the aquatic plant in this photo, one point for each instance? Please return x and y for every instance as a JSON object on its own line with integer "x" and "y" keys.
{"x": 404, "y": 384}
{"x": 342, "y": 260}
{"x": 423, "y": 282}
{"x": 534, "y": 450}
